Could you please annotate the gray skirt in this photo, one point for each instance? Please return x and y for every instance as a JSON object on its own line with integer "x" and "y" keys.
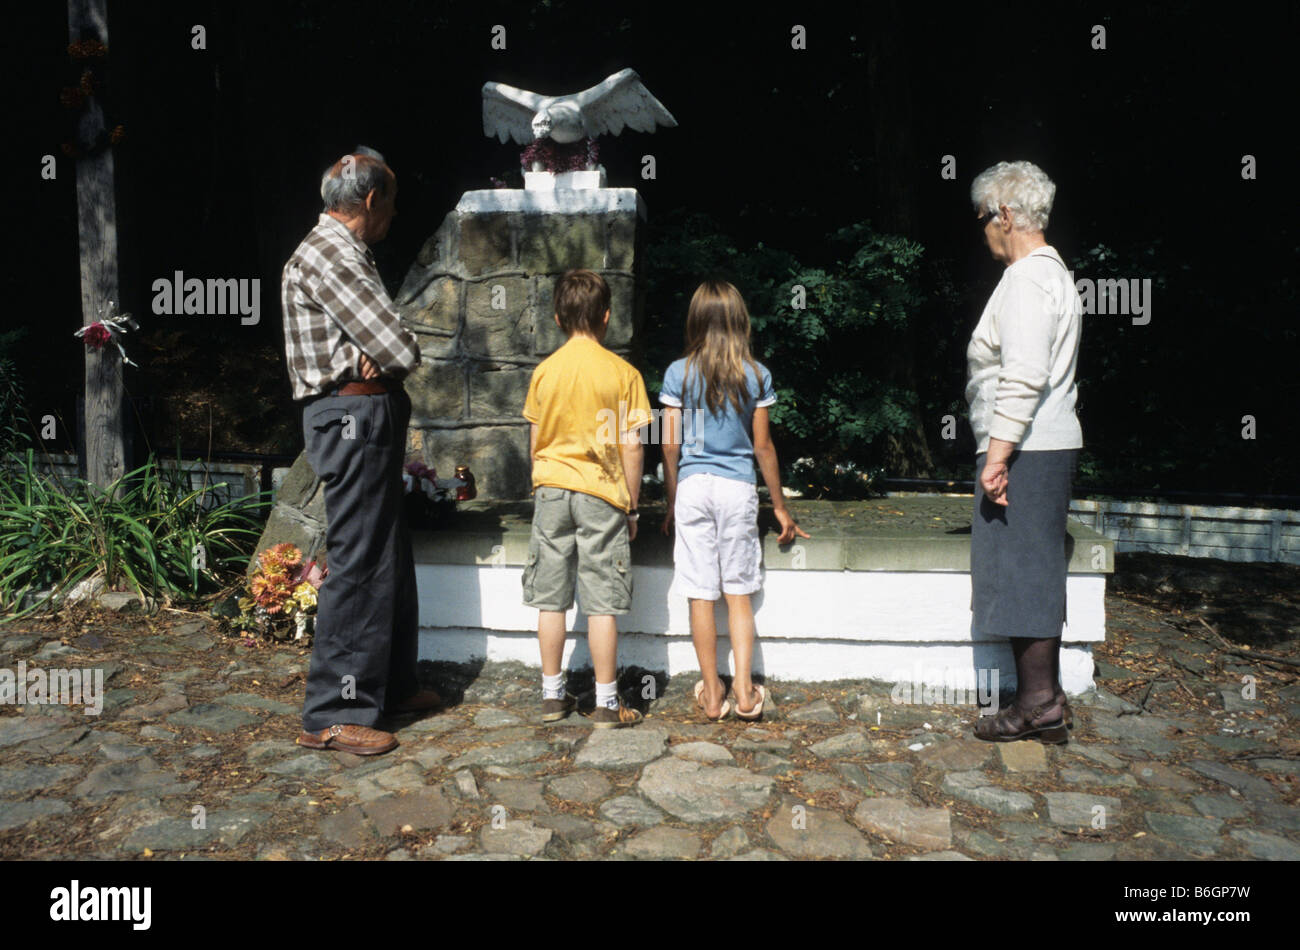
{"x": 1019, "y": 554}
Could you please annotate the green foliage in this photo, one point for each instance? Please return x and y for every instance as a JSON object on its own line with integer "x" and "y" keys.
{"x": 1156, "y": 445}
{"x": 834, "y": 361}
{"x": 142, "y": 532}
{"x": 13, "y": 414}
{"x": 820, "y": 478}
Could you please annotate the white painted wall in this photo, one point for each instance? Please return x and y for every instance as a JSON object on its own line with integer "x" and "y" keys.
{"x": 812, "y": 625}
{"x": 907, "y": 607}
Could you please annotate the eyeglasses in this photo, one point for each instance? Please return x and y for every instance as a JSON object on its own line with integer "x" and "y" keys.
{"x": 987, "y": 218}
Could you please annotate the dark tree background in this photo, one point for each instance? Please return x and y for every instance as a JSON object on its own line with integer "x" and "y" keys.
{"x": 219, "y": 174}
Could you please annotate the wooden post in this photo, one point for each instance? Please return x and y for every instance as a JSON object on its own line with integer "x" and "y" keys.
{"x": 104, "y": 450}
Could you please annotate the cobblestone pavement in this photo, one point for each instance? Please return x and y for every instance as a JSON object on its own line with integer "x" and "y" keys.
{"x": 193, "y": 756}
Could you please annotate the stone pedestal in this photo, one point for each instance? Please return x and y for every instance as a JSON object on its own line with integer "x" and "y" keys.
{"x": 298, "y": 517}
{"x": 479, "y": 299}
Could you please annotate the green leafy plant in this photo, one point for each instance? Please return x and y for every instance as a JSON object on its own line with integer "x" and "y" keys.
{"x": 149, "y": 532}
{"x": 12, "y": 409}
{"x": 818, "y": 478}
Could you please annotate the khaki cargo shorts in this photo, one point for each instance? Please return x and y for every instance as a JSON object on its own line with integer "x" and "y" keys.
{"x": 579, "y": 537}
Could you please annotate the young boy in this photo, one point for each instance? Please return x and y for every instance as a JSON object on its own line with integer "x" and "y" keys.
{"x": 585, "y": 405}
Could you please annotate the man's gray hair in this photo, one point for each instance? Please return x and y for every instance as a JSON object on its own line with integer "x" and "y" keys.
{"x": 346, "y": 183}
{"x": 1021, "y": 186}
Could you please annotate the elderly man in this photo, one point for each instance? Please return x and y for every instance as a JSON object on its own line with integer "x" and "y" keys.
{"x": 347, "y": 352}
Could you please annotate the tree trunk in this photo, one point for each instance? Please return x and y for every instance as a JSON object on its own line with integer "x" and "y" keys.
{"x": 104, "y": 449}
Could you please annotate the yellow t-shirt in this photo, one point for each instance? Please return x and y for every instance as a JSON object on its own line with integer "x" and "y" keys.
{"x": 581, "y": 397}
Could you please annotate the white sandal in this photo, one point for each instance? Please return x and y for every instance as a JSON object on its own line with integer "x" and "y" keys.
{"x": 757, "y": 711}
{"x": 699, "y": 701}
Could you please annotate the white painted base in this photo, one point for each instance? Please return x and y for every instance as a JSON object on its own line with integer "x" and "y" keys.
{"x": 812, "y": 625}
{"x": 560, "y": 181}
{"x": 564, "y": 201}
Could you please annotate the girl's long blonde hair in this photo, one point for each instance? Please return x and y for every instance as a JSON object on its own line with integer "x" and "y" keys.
{"x": 717, "y": 347}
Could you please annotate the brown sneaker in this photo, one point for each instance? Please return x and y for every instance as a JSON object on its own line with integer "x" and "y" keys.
{"x": 347, "y": 737}
{"x": 602, "y": 717}
{"x": 554, "y": 710}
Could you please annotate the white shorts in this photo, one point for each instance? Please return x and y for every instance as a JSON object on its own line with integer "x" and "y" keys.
{"x": 717, "y": 549}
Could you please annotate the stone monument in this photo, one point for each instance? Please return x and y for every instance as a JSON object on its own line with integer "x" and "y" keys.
{"x": 479, "y": 300}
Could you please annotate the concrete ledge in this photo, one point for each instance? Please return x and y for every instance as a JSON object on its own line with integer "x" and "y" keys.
{"x": 887, "y": 534}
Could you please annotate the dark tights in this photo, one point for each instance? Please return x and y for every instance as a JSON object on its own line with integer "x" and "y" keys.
{"x": 1038, "y": 674}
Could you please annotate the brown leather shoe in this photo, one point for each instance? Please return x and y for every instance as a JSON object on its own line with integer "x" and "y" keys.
{"x": 423, "y": 700}
{"x": 347, "y": 737}
{"x": 602, "y": 717}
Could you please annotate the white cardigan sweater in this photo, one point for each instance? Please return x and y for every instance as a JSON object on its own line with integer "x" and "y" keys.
{"x": 1022, "y": 357}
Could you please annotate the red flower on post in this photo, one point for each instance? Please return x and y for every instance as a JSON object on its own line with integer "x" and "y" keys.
{"x": 96, "y": 335}
{"x": 108, "y": 330}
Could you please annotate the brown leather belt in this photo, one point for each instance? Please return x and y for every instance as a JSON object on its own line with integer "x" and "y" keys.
{"x": 368, "y": 387}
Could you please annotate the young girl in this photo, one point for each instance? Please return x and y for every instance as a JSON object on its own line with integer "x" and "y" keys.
{"x": 714, "y": 429}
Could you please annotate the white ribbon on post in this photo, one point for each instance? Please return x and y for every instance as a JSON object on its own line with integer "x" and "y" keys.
{"x": 116, "y": 327}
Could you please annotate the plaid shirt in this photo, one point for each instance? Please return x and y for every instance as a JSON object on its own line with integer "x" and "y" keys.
{"x": 335, "y": 309}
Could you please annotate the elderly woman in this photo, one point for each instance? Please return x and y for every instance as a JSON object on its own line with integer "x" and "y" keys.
{"x": 1021, "y": 391}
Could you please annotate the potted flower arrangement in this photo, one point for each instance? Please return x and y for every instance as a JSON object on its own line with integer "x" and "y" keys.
{"x": 282, "y": 594}
{"x": 430, "y": 500}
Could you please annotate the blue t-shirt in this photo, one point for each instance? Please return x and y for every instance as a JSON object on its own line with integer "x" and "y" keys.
{"x": 721, "y": 443}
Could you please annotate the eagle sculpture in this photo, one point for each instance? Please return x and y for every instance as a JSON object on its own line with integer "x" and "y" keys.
{"x": 621, "y": 100}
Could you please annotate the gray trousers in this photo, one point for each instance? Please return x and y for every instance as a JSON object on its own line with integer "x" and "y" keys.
{"x": 364, "y": 652}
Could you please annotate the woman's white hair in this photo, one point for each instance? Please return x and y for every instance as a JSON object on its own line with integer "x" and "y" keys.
{"x": 1021, "y": 186}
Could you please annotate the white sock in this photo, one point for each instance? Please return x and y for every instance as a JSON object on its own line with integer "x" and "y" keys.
{"x": 553, "y": 686}
{"x": 607, "y": 695}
